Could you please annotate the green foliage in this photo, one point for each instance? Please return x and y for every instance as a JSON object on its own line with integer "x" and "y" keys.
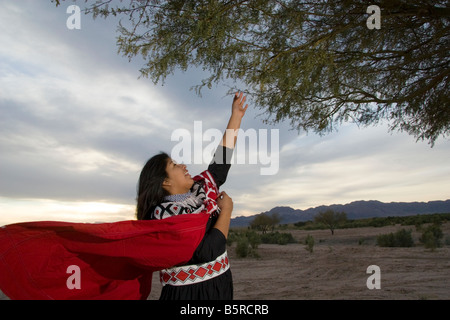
{"x": 254, "y": 239}
{"x": 432, "y": 236}
{"x": 313, "y": 62}
{"x": 264, "y": 222}
{"x": 282, "y": 238}
{"x": 242, "y": 247}
{"x": 331, "y": 219}
{"x": 401, "y": 238}
{"x": 309, "y": 242}
{"x": 247, "y": 243}
{"x": 413, "y": 220}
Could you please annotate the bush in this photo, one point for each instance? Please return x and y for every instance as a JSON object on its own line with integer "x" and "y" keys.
{"x": 431, "y": 236}
{"x": 301, "y": 224}
{"x": 309, "y": 242}
{"x": 401, "y": 238}
{"x": 246, "y": 243}
{"x": 254, "y": 239}
{"x": 242, "y": 247}
{"x": 232, "y": 237}
{"x": 277, "y": 238}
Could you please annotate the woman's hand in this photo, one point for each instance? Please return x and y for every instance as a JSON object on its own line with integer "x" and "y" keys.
{"x": 237, "y": 112}
{"x": 224, "y": 202}
{"x": 237, "y": 108}
{"x": 226, "y": 207}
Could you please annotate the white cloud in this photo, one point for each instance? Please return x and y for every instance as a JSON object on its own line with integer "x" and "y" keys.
{"x": 74, "y": 125}
{"x": 23, "y": 210}
{"x": 77, "y": 125}
{"x": 356, "y": 164}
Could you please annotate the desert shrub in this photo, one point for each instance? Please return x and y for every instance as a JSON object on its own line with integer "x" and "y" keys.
{"x": 277, "y": 238}
{"x": 416, "y": 220}
{"x": 242, "y": 247}
{"x": 386, "y": 240}
{"x": 247, "y": 243}
{"x": 232, "y": 237}
{"x": 301, "y": 224}
{"x": 401, "y": 238}
{"x": 309, "y": 242}
{"x": 379, "y": 222}
{"x": 432, "y": 236}
{"x": 254, "y": 239}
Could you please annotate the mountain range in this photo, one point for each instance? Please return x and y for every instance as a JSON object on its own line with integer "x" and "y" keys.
{"x": 354, "y": 210}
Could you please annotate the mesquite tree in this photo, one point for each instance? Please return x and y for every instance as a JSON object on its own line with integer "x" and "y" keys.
{"x": 331, "y": 219}
{"x": 316, "y": 63}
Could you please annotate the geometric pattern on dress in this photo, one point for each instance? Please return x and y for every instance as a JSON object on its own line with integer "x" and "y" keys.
{"x": 185, "y": 275}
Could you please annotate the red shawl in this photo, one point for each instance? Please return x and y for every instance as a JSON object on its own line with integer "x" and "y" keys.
{"x": 43, "y": 260}
{"x": 115, "y": 260}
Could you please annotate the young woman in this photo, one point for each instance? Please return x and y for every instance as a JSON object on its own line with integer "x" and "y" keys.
{"x": 166, "y": 189}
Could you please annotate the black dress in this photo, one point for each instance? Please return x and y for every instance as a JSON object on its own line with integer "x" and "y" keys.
{"x": 212, "y": 245}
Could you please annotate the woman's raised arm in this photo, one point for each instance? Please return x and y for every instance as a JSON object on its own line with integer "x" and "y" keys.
{"x": 237, "y": 113}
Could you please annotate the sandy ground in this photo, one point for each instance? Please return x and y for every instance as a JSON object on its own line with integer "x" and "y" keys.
{"x": 337, "y": 268}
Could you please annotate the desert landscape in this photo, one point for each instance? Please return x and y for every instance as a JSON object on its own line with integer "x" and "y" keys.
{"x": 336, "y": 269}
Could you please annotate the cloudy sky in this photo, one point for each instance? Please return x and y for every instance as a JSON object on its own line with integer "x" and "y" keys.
{"x": 77, "y": 125}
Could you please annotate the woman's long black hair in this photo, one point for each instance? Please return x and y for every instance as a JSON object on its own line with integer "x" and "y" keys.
{"x": 150, "y": 191}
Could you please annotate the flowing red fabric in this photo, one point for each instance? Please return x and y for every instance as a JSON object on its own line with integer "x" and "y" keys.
{"x": 115, "y": 260}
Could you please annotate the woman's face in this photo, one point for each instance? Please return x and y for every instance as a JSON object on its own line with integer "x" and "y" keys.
{"x": 178, "y": 179}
